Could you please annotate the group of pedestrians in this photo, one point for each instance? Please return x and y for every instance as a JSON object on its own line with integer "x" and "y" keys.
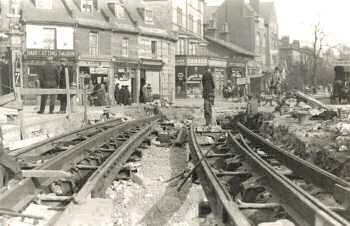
{"x": 51, "y": 77}
{"x": 122, "y": 95}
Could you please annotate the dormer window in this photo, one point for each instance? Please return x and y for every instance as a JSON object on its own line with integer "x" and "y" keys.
{"x": 43, "y": 4}
{"x": 148, "y": 16}
{"x": 117, "y": 9}
{"x": 87, "y": 6}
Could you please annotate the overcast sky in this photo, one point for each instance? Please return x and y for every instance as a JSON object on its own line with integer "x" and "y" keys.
{"x": 295, "y": 18}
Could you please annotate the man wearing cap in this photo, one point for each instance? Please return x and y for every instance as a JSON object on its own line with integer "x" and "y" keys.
{"x": 48, "y": 79}
{"x": 208, "y": 96}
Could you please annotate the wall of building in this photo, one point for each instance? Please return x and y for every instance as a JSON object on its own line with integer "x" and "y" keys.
{"x": 82, "y": 41}
{"x": 64, "y": 36}
{"x": 116, "y": 44}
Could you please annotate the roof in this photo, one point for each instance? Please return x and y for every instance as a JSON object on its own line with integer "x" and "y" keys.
{"x": 59, "y": 14}
{"x": 155, "y": 28}
{"x": 230, "y": 46}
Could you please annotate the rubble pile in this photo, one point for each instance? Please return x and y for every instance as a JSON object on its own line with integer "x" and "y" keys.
{"x": 320, "y": 137}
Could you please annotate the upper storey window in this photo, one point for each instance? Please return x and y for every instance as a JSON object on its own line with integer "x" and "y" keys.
{"x": 148, "y": 16}
{"x": 87, "y": 6}
{"x": 43, "y": 4}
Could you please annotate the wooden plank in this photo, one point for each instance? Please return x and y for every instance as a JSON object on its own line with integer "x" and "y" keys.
{"x": 311, "y": 100}
{"x": 46, "y": 173}
{"x": 45, "y": 197}
{"x": 16, "y": 214}
{"x": 39, "y": 91}
{"x": 7, "y": 98}
{"x": 244, "y": 205}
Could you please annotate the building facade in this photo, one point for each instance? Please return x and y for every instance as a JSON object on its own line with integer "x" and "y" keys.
{"x": 252, "y": 26}
{"x": 106, "y": 41}
{"x": 185, "y": 19}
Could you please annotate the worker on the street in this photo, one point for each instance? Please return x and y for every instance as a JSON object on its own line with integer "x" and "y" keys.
{"x": 252, "y": 111}
{"x": 208, "y": 96}
{"x": 48, "y": 79}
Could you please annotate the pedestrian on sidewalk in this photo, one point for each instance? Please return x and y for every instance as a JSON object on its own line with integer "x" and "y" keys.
{"x": 117, "y": 93}
{"x": 208, "y": 96}
{"x": 61, "y": 73}
{"x": 48, "y": 79}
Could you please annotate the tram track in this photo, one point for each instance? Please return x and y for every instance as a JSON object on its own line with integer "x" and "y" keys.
{"x": 247, "y": 186}
{"x": 91, "y": 165}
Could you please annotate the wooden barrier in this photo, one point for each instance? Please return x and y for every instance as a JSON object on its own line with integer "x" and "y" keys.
{"x": 7, "y": 98}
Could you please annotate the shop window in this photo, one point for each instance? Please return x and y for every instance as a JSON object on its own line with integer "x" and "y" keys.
{"x": 125, "y": 47}
{"x": 43, "y": 4}
{"x": 93, "y": 43}
{"x": 49, "y": 38}
{"x": 154, "y": 49}
{"x": 87, "y": 6}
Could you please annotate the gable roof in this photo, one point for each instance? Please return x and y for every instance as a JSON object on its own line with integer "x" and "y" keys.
{"x": 230, "y": 46}
{"x": 59, "y": 14}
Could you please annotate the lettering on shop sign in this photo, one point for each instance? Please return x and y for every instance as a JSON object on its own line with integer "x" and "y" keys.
{"x": 180, "y": 76}
{"x": 180, "y": 62}
{"x": 217, "y": 63}
{"x": 99, "y": 70}
{"x": 243, "y": 81}
{"x": 49, "y": 52}
{"x": 197, "y": 61}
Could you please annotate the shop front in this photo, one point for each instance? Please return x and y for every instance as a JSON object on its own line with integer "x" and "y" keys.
{"x": 125, "y": 74}
{"x": 97, "y": 72}
{"x": 33, "y": 61}
{"x": 189, "y": 72}
{"x": 150, "y": 71}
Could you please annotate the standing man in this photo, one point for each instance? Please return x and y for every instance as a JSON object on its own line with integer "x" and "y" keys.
{"x": 208, "y": 95}
{"x": 252, "y": 111}
{"x": 61, "y": 74}
{"x": 116, "y": 93}
{"x": 48, "y": 79}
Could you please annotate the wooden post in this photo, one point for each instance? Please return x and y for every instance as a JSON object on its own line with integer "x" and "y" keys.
{"x": 69, "y": 107}
{"x": 85, "y": 99}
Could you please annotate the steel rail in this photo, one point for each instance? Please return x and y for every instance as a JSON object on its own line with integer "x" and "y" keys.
{"x": 25, "y": 191}
{"x": 220, "y": 201}
{"x": 304, "y": 169}
{"x": 46, "y": 145}
{"x": 104, "y": 175}
{"x": 301, "y": 208}
{"x": 305, "y": 193}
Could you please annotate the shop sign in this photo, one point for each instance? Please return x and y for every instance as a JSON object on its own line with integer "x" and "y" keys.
{"x": 217, "y": 63}
{"x": 236, "y": 65}
{"x": 180, "y": 62}
{"x": 243, "y": 81}
{"x": 197, "y": 61}
{"x": 49, "y": 52}
{"x": 99, "y": 70}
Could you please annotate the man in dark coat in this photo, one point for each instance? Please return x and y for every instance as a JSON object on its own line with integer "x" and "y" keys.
{"x": 48, "y": 79}
{"x": 62, "y": 84}
{"x": 208, "y": 96}
{"x": 116, "y": 93}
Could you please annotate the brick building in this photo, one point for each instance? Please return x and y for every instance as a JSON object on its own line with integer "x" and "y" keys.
{"x": 110, "y": 41}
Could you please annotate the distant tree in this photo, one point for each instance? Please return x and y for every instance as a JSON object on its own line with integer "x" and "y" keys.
{"x": 317, "y": 47}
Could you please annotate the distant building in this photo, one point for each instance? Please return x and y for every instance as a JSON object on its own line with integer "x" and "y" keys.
{"x": 252, "y": 26}
{"x": 296, "y": 61}
{"x": 185, "y": 19}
